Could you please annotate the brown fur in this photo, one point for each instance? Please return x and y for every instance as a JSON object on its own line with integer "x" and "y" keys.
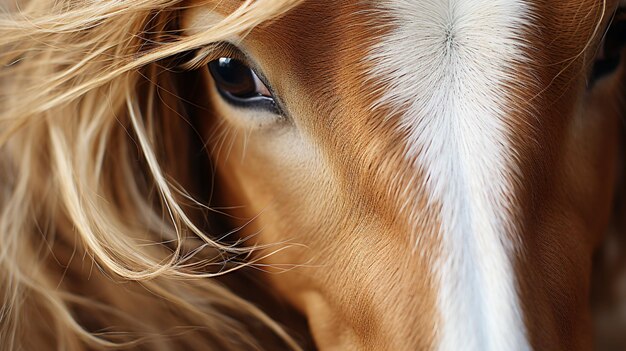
{"x": 361, "y": 285}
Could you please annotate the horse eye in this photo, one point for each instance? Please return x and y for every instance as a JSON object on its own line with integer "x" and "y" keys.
{"x": 239, "y": 84}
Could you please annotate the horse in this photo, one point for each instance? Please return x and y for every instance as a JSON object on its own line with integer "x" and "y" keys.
{"x": 299, "y": 174}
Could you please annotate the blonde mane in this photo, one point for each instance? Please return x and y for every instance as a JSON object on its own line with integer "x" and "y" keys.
{"x": 102, "y": 245}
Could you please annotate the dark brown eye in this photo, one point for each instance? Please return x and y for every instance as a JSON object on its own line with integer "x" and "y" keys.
{"x": 239, "y": 84}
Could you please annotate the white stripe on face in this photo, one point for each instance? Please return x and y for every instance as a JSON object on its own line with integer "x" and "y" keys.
{"x": 446, "y": 64}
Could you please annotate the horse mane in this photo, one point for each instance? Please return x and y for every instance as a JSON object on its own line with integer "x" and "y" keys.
{"x": 103, "y": 245}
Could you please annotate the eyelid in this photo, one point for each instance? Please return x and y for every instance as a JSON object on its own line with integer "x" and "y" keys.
{"x": 211, "y": 52}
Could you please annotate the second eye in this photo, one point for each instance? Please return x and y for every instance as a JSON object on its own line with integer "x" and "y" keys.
{"x": 239, "y": 85}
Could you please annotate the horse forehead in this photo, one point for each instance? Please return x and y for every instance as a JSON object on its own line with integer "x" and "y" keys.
{"x": 369, "y": 61}
{"x": 321, "y": 38}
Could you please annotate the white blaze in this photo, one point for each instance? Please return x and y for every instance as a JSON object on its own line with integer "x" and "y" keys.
{"x": 446, "y": 64}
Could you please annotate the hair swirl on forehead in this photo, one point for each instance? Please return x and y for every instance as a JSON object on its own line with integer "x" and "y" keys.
{"x": 98, "y": 247}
